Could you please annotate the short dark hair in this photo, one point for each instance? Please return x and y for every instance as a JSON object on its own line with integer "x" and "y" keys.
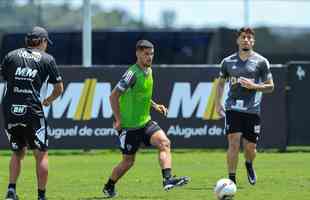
{"x": 144, "y": 44}
{"x": 247, "y": 30}
{"x": 33, "y": 42}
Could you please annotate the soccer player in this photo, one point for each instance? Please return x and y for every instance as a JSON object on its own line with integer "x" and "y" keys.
{"x": 25, "y": 70}
{"x": 249, "y": 76}
{"x": 131, "y": 101}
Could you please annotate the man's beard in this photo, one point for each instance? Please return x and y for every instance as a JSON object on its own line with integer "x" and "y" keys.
{"x": 148, "y": 64}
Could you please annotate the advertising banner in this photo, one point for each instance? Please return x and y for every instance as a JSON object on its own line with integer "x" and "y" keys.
{"x": 82, "y": 117}
{"x": 298, "y": 99}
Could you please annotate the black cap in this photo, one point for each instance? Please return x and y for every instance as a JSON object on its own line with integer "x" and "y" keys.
{"x": 144, "y": 43}
{"x": 39, "y": 32}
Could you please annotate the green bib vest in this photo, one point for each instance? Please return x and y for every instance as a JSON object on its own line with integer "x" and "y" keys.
{"x": 135, "y": 102}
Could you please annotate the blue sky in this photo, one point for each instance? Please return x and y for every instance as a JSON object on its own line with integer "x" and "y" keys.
{"x": 213, "y": 13}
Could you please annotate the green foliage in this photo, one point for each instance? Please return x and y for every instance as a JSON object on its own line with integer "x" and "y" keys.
{"x": 21, "y": 16}
{"x": 77, "y": 175}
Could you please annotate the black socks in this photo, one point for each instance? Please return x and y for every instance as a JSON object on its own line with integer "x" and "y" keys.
{"x": 166, "y": 173}
{"x": 110, "y": 183}
{"x": 248, "y": 164}
{"x": 41, "y": 193}
{"x": 232, "y": 176}
{"x": 12, "y": 186}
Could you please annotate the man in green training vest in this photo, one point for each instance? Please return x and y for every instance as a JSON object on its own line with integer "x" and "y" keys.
{"x": 131, "y": 101}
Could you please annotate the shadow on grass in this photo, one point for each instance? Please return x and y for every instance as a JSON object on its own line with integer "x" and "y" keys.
{"x": 205, "y": 188}
{"x": 156, "y": 197}
{"x": 198, "y": 188}
{"x": 131, "y": 197}
{"x": 93, "y": 198}
{"x": 146, "y": 197}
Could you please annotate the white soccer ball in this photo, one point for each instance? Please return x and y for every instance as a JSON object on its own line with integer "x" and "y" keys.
{"x": 225, "y": 189}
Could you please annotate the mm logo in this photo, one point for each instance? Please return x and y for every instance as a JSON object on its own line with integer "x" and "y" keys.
{"x": 26, "y": 72}
{"x": 88, "y": 100}
{"x": 82, "y": 101}
{"x": 202, "y": 100}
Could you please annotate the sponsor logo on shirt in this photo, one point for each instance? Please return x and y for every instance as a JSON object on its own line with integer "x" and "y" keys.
{"x": 22, "y": 91}
{"x": 26, "y": 72}
{"x": 36, "y": 56}
{"x": 18, "y": 109}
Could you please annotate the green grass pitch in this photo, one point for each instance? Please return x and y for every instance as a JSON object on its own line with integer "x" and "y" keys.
{"x": 76, "y": 175}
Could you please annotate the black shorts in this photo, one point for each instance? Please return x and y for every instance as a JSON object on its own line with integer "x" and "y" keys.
{"x": 248, "y": 124}
{"x": 130, "y": 140}
{"x": 31, "y": 133}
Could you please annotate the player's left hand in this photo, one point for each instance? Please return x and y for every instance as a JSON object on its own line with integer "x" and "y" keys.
{"x": 247, "y": 83}
{"x": 161, "y": 109}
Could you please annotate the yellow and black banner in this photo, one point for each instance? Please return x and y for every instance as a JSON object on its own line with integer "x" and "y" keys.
{"x": 82, "y": 116}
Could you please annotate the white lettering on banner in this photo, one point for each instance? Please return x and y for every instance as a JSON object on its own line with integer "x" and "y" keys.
{"x": 58, "y": 133}
{"x": 76, "y": 131}
{"x": 70, "y": 99}
{"x": 85, "y": 131}
{"x": 82, "y": 101}
{"x": 186, "y": 132}
{"x": 105, "y": 132}
{"x": 101, "y": 100}
{"x": 182, "y": 101}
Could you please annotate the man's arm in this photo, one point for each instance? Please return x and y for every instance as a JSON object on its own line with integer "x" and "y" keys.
{"x": 159, "y": 108}
{"x": 57, "y": 91}
{"x": 127, "y": 81}
{"x": 219, "y": 95}
{"x": 114, "y": 101}
{"x": 265, "y": 87}
{"x": 55, "y": 79}
{"x": 223, "y": 75}
{"x": 154, "y": 105}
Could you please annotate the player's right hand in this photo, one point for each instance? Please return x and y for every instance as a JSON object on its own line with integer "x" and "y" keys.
{"x": 220, "y": 110}
{"x": 46, "y": 102}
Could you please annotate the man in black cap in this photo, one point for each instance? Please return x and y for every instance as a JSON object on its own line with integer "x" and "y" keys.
{"x": 26, "y": 71}
{"x": 39, "y": 32}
